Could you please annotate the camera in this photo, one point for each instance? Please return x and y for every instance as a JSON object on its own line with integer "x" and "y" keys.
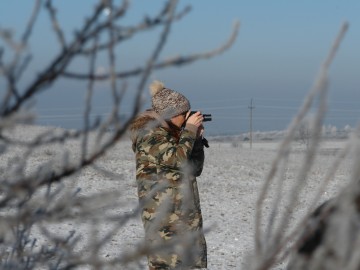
{"x": 207, "y": 117}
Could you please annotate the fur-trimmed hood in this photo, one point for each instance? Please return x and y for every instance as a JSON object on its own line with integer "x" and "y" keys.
{"x": 144, "y": 122}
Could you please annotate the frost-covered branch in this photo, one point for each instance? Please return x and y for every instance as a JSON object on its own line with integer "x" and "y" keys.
{"x": 272, "y": 240}
{"x": 41, "y": 174}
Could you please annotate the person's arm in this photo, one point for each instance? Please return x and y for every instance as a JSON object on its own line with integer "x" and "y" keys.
{"x": 166, "y": 151}
{"x": 197, "y": 157}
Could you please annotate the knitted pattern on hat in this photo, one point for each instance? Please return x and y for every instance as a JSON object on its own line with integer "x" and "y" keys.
{"x": 166, "y": 102}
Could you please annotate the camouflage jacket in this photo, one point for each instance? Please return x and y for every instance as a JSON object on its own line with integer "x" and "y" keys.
{"x": 167, "y": 162}
{"x": 160, "y": 152}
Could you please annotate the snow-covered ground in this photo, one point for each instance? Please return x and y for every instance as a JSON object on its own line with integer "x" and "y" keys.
{"x": 229, "y": 187}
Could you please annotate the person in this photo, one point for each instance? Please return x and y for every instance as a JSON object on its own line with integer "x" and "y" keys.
{"x": 169, "y": 152}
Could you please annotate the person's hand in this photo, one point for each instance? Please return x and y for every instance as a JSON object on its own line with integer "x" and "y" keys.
{"x": 195, "y": 119}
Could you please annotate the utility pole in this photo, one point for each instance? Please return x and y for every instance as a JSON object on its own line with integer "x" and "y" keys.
{"x": 251, "y": 108}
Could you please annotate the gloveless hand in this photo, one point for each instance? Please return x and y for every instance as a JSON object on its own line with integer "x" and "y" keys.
{"x": 196, "y": 119}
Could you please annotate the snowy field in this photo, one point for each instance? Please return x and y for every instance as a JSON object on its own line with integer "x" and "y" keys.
{"x": 229, "y": 187}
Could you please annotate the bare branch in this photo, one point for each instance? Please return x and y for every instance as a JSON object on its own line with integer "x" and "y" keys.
{"x": 22, "y": 67}
{"x": 175, "y": 61}
{"x": 7, "y": 36}
{"x": 47, "y": 138}
{"x": 55, "y": 23}
{"x": 31, "y": 23}
{"x": 26, "y": 184}
{"x": 24, "y": 41}
{"x": 35, "y": 196}
{"x": 172, "y": 6}
{"x": 114, "y": 15}
{"x": 1, "y": 62}
{"x": 57, "y": 66}
{"x": 125, "y": 33}
{"x": 319, "y": 88}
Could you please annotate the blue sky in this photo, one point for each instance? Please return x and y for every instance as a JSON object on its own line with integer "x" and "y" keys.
{"x": 274, "y": 61}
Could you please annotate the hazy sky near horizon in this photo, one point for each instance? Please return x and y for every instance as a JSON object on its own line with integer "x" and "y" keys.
{"x": 274, "y": 61}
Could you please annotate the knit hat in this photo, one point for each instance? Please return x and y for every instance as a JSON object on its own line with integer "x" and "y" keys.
{"x": 166, "y": 102}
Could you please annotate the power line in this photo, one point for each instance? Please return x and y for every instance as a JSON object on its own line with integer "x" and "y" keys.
{"x": 251, "y": 107}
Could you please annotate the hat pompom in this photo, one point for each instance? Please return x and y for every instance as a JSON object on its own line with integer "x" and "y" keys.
{"x": 155, "y": 87}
